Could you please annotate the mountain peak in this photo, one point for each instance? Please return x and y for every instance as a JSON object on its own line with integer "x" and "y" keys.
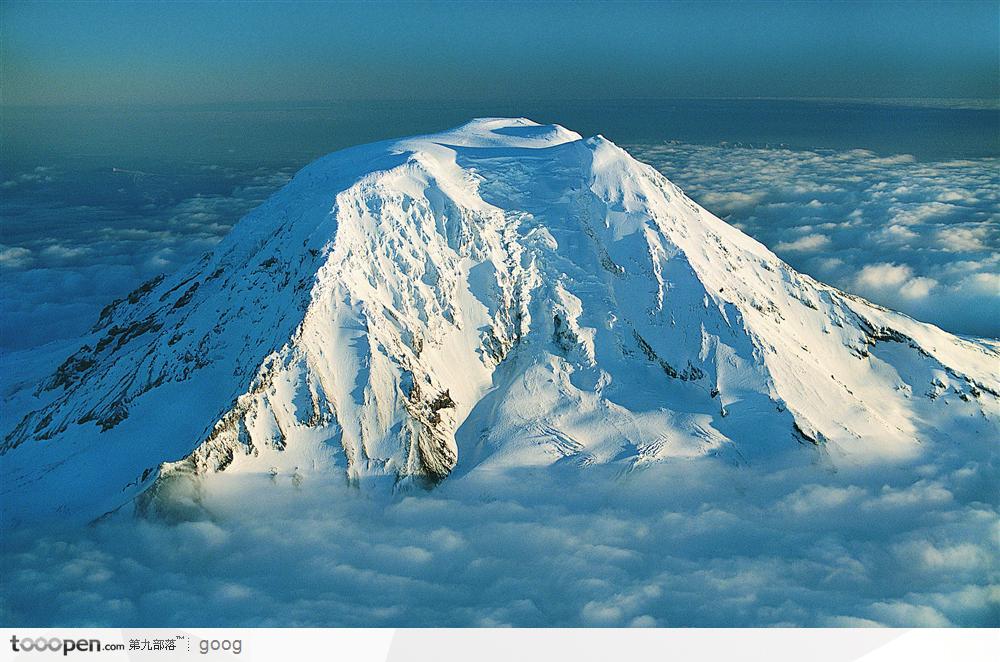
{"x": 502, "y": 294}
{"x": 503, "y": 132}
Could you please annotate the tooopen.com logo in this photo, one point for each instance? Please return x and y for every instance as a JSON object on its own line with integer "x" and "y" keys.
{"x": 56, "y": 645}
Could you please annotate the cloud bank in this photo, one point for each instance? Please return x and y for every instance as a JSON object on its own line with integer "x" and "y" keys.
{"x": 692, "y": 543}
{"x": 918, "y": 237}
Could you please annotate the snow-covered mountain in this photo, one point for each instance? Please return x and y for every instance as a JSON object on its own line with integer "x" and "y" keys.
{"x": 504, "y": 294}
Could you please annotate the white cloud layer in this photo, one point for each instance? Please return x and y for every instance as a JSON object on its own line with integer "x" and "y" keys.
{"x": 694, "y": 543}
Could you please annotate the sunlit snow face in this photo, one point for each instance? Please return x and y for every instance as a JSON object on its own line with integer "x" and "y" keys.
{"x": 918, "y": 237}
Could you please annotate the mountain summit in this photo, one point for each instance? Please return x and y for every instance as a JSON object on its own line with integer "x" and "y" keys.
{"x": 503, "y": 294}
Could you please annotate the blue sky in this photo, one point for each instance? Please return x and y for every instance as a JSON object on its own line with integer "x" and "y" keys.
{"x": 97, "y": 52}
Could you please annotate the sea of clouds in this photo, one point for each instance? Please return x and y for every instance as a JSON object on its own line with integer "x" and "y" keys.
{"x": 690, "y": 543}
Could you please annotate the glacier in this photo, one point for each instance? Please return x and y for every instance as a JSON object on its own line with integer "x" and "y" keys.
{"x": 499, "y": 297}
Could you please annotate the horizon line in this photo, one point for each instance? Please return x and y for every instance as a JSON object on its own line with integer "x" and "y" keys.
{"x": 954, "y": 103}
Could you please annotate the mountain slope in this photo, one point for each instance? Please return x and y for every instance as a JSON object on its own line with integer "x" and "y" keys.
{"x": 503, "y": 294}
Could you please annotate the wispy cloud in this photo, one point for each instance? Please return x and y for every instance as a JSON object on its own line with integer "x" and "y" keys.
{"x": 809, "y": 242}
